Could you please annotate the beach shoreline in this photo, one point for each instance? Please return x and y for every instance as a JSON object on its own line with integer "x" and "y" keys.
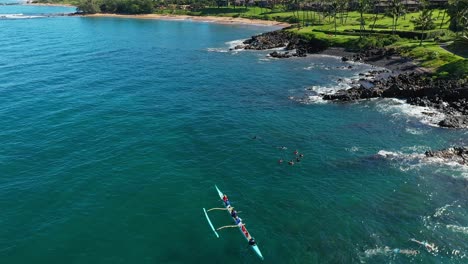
{"x": 214, "y": 19}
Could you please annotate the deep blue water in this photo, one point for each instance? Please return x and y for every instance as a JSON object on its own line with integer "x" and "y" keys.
{"x": 114, "y": 132}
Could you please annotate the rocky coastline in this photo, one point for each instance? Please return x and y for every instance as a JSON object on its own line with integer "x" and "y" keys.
{"x": 454, "y": 154}
{"x": 447, "y": 96}
{"x": 294, "y": 45}
{"x": 403, "y": 79}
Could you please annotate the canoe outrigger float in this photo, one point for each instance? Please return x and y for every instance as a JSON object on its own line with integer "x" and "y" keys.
{"x": 242, "y": 228}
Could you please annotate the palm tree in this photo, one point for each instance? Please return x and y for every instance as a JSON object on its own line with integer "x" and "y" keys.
{"x": 334, "y": 11}
{"x": 424, "y": 21}
{"x": 342, "y": 8}
{"x": 363, "y": 7}
{"x": 464, "y": 22}
{"x": 373, "y": 3}
{"x": 396, "y": 9}
{"x": 443, "y": 17}
{"x": 457, "y": 10}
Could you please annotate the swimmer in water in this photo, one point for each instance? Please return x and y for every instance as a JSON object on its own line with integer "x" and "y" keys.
{"x": 429, "y": 247}
{"x": 291, "y": 162}
{"x": 280, "y": 161}
{"x": 296, "y": 152}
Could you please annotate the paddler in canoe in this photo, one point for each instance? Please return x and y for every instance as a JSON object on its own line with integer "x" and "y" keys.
{"x": 238, "y": 223}
{"x": 231, "y": 210}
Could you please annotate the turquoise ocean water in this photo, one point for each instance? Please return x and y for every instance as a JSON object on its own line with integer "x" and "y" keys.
{"x": 114, "y": 132}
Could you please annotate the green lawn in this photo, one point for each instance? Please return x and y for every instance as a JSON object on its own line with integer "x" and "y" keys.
{"x": 429, "y": 55}
{"x": 349, "y": 21}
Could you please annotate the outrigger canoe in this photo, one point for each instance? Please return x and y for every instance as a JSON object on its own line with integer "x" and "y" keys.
{"x": 242, "y": 229}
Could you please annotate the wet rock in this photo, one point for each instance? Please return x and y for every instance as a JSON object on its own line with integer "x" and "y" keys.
{"x": 448, "y": 96}
{"x": 269, "y": 40}
{"x": 287, "y": 39}
{"x": 280, "y": 55}
{"x": 353, "y": 94}
{"x": 457, "y": 154}
{"x": 454, "y": 122}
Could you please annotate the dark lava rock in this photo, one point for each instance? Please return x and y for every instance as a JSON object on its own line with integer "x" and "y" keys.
{"x": 352, "y": 94}
{"x": 458, "y": 154}
{"x": 448, "y": 96}
{"x": 287, "y": 39}
{"x": 269, "y": 40}
{"x": 280, "y": 55}
{"x": 454, "y": 122}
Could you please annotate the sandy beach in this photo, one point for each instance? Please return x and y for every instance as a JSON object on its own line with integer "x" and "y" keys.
{"x": 215, "y": 19}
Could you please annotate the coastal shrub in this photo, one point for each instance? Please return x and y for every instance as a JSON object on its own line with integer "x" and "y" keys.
{"x": 443, "y": 74}
{"x": 446, "y": 35}
{"x": 293, "y": 20}
{"x": 381, "y": 26}
{"x": 456, "y": 69}
{"x": 88, "y": 7}
{"x": 376, "y": 42}
{"x": 389, "y": 40}
{"x": 433, "y": 55}
{"x": 113, "y": 6}
{"x": 135, "y": 7}
{"x": 108, "y": 6}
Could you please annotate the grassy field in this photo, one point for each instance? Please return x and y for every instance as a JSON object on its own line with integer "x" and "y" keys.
{"x": 313, "y": 25}
{"x": 347, "y": 21}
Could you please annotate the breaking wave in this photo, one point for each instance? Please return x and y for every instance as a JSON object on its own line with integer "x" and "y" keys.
{"x": 315, "y": 93}
{"x": 399, "y": 109}
{"x": 415, "y": 160}
{"x": 17, "y": 16}
{"x": 230, "y": 45}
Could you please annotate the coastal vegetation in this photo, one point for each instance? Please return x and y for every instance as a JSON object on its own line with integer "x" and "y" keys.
{"x": 434, "y": 33}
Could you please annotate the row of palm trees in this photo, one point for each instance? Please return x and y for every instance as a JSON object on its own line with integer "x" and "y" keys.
{"x": 338, "y": 9}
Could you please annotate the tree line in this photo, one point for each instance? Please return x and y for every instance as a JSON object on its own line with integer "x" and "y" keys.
{"x": 116, "y": 6}
{"x": 454, "y": 10}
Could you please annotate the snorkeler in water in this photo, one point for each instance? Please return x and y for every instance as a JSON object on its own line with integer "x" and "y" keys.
{"x": 387, "y": 251}
{"x": 429, "y": 247}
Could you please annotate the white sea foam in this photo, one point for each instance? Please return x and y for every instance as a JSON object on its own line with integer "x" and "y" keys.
{"x": 217, "y": 50}
{"x": 399, "y": 155}
{"x": 443, "y": 211}
{"x": 415, "y": 160}
{"x": 352, "y": 149}
{"x": 414, "y": 131}
{"x": 458, "y": 229}
{"x": 314, "y": 94}
{"x": 399, "y": 109}
{"x": 230, "y": 45}
{"x": 17, "y": 16}
{"x": 318, "y": 66}
{"x": 416, "y": 148}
